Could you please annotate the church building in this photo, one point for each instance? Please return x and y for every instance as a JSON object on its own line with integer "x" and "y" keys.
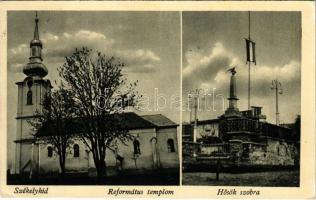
{"x": 156, "y": 137}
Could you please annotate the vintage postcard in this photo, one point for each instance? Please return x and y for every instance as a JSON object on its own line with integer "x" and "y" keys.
{"x": 158, "y": 99}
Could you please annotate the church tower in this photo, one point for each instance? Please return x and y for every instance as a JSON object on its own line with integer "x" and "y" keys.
{"x": 30, "y": 93}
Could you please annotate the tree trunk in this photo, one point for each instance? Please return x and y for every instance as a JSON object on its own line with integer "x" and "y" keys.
{"x": 63, "y": 170}
{"x": 101, "y": 168}
{"x": 62, "y": 163}
{"x": 99, "y": 161}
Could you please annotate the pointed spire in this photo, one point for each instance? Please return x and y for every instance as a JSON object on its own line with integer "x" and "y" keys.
{"x": 36, "y": 44}
{"x": 36, "y": 35}
{"x": 35, "y": 67}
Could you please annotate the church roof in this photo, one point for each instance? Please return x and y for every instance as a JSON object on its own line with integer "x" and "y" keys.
{"x": 133, "y": 121}
{"x": 159, "y": 120}
{"x": 129, "y": 121}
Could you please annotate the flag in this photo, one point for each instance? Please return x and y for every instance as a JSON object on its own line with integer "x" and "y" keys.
{"x": 251, "y": 51}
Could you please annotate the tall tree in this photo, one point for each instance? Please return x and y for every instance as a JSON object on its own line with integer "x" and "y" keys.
{"x": 54, "y": 124}
{"x": 100, "y": 93}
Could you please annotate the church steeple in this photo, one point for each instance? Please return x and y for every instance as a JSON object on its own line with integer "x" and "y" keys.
{"x": 36, "y": 35}
{"x": 31, "y": 91}
{"x": 35, "y": 67}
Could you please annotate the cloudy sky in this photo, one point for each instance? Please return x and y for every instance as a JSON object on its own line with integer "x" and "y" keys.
{"x": 148, "y": 43}
{"x": 214, "y": 41}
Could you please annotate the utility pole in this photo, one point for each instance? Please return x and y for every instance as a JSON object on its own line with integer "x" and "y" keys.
{"x": 195, "y": 114}
{"x": 195, "y": 107}
{"x": 190, "y": 109}
{"x": 276, "y": 85}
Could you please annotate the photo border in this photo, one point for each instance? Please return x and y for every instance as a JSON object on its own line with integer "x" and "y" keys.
{"x": 307, "y": 167}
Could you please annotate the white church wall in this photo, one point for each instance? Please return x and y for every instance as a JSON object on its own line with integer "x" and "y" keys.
{"x": 28, "y": 110}
{"x": 38, "y": 91}
{"x": 16, "y": 163}
{"x": 145, "y": 159}
{"x": 110, "y": 160}
{"x": 26, "y": 129}
{"x": 19, "y": 130}
{"x": 80, "y": 163}
{"x": 25, "y": 153}
{"x": 167, "y": 159}
{"x": 47, "y": 164}
{"x": 35, "y": 154}
{"x": 20, "y": 100}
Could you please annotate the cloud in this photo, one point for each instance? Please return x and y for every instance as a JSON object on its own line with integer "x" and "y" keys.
{"x": 209, "y": 70}
{"x": 16, "y": 67}
{"x": 57, "y": 46}
{"x": 18, "y": 56}
{"x": 49, "y": 37}
{"x": 140, "y": 60}
{"x": 198, "y": 62}
{"x": 262, "y": 76}
{"x": 22, "y": 48}
{"x": 203, "y": 66}
{"x": 90, "y": 35}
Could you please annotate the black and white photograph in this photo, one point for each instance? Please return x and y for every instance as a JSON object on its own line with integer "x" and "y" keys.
{"x": 157, "y": 99}
{"x": 241, "y": 98}
{"x": 93, "y": 98}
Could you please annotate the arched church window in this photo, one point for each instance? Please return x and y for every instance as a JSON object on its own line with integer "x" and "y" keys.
{"x": 29, "y": 98}
{"x": 170, "y": 144}
{"x": 136, "y": 147}
{"x": 49, "y": 152}
{"x": 76, "y": 150}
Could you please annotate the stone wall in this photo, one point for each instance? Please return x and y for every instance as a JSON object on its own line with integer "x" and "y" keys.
{"x": 275, "y": 153}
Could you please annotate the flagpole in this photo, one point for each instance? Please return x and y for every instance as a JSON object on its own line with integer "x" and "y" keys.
{"x": 249, "y": 67}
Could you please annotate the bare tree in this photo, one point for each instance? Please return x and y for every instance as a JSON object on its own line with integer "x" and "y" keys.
{"x": 54, "y": 124}
{"x": 100, "y": 93}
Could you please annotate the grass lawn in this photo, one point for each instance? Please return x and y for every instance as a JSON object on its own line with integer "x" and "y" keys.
{"x": 272, "y": 178}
